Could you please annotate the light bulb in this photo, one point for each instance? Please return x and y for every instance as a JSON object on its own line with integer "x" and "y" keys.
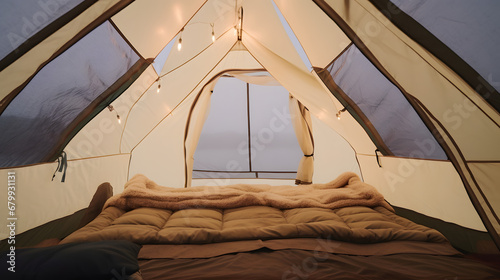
{"x": 158, "y": 89}
{"x": 338, "y": 115}
{"x": 118, "y": 117}
{"x": 179, "y": 45}
{"x": 213, "y": 33}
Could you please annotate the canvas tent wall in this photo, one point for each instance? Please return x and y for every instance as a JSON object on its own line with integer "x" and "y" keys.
{"x": 421, "y": 128}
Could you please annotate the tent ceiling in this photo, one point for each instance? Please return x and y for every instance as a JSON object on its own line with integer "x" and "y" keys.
{"x": 150, "y": 25}
{"x": 260, "y": 21}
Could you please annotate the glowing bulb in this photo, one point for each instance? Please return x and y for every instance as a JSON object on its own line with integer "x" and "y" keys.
{"x": 118, "y": 117}
{"x": 179, "y": 45}
{"x": 158, "y": 89}
{"x": 340, "y": 112}
{"x": 213, "y": 33}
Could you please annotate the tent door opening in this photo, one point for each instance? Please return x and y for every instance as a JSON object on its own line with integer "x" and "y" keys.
{"x": 248, "y": 132}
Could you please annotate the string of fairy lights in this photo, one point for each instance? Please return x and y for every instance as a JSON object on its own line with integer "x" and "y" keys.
{"x": 237, "y": 31}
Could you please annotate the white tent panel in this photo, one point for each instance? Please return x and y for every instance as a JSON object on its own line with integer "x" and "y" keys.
{"x": 194, "y": 126}
{"x": 197, "y": 33}
{"x": 332, "y": 154}
{"x": 487, "y": 174}
{"x": 429, "y": 187}
{"x": 261, "y": 22}
{"x": 154, "y": 23}
{"x": 257, "y": 78}
{"x": 161, "y": 155}
{"x": 321, "y": 46}
{"x": 300, "y": 83}
{"x": 153, "y": 106}
{"x": 103, "y": 134}
{"x": 239, "y": 58}
{"x": 40, "y": 200}
{"x": 465, "y": 129}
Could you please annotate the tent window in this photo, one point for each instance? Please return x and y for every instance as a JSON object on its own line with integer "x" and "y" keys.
{"x": 385, "y": 106}
{"x": 469, "y": 28}
{"x": 248, "y": 134}
{"x": 34, "y": 121}
{"x": 20, "y": 20}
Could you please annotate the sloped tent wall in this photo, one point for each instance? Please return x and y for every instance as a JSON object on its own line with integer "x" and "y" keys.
{"x": 464, "y": 147}
{"x": 150, "y": 139}
{"x": 52, "y": 42}
{"x": 39, "y": 116}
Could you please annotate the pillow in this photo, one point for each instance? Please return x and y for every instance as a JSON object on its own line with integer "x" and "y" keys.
{"x": 113, "y": 259}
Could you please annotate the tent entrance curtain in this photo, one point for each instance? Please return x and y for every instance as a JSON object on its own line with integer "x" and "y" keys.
{"x": 302, "y": 124}
{"x": 249, "y": 132}
{"x": 198, "y": 116}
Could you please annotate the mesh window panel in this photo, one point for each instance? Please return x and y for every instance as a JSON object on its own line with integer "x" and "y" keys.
{"x": 385, "y": 106}
{"x": 223, "y": 144}
{"x": 19, "y": 20}
{"x": 469, "y": 28}
{"x": 274, "y": 143}
{"x": 34, "y": 121}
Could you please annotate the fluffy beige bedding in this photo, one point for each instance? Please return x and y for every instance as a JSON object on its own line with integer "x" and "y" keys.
{"x": 346, "y": 190}
{"x": 345, "y": 209}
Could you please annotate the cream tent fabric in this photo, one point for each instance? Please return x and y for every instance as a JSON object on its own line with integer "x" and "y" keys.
{"x": 303, "y": 129}
{"x": 382, "y": 91}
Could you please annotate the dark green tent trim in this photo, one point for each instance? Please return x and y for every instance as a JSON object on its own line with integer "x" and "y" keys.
{"x": 464, "y": 239}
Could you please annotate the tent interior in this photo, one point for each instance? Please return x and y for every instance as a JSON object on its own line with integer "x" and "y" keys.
{"x": 211, "y": 93}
